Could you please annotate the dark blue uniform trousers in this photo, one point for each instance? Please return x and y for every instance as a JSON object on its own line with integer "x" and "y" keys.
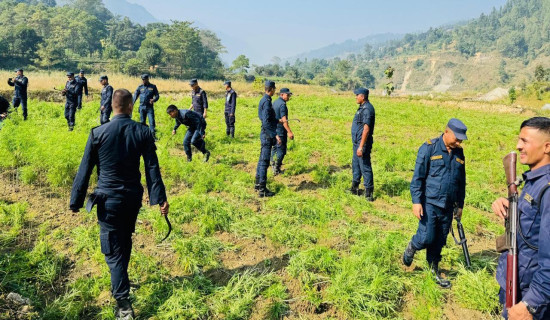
{"x": 361, "y": 166}
{"x": 21, "y": 101}
{"x": 105, "y": 115}
{"x": 432, "y": 231}
{"x": 267, "y": 144}
{"x": 279, "y": 151}
{"x": 193, "y": 137}
{"x": 229, "y": 124}
{"x": 117, "y": 219}
{"x": 70, "y": 110}
{"x": 79, "y": 102}
{"x": 147, "y": 112}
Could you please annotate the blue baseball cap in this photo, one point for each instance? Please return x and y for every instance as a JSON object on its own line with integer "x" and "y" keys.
{"x": 363, "y": 91}
{"x": 103, "y": 78}
{"x": 81, "y": 70}
{"x": 70, "y": 74}
{"x": 459, "y": 128}
{"x": 193, "y": 82}
{"x": 144, "y": 76}
{"x": 270, "y": 84}
{"x": 227, "y": 83}
{"x": 17, "y": 70}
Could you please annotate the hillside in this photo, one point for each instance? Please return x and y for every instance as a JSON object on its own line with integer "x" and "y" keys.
{"x": 135, "y": 12}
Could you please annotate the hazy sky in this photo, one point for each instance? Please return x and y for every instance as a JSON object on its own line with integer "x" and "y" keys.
{"x": 283, "y": 28}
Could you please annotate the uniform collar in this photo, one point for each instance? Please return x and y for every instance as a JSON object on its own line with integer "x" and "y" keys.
{"x": 120, "y": 116}
{"x": 442, "y": 144}
{"x": 267, "y": 96}
{"x": 198, "y": 90}
{"x": 531, "y": 175}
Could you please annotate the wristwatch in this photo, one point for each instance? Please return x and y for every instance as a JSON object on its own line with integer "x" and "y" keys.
{"x": 532, "y": 310}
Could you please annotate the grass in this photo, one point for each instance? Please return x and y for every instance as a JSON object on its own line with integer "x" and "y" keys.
{"x": 343, "y": 253}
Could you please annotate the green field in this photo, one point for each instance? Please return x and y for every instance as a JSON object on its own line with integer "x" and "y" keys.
{"x": 313, "y": 251}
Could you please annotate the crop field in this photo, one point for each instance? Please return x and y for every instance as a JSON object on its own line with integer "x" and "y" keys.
{"x": 314, "y": 251}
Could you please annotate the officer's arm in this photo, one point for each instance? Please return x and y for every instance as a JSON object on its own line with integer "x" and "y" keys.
{"x": 108, "y": 102}
{"x": 155, "y": 186}
{"x": 204, "y": 100}
{"x": 265, "y": 121}
{"x": 80, "y": 184}
{"x": 178, "y": 124}
{"x": 86, "y": 87}
{"x": 462, "y": 186}
{"x": 25, "y": 82}
{"x": 420, "y": 173}
{"x": 284, "y": 118}
{"x": 11, "y": 83}
{"x": 233, "y": 103}
{"x": 136, "y": 95}
{"x": 364, "y": 136}
{"x": 156, "y": 94}
{"x": 539, "y": 289}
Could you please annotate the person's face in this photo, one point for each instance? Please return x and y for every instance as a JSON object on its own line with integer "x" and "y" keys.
{"x": 103, "y": 82}
{"x": 81, "y": 74}
{"x": 173, "y": 113}
{"x": 227, "y": 87}
{"x": 451, "y": 140}
{"x": 360, "y": 98}
{"x": 271, "y": 92}
{"x": 19, "y": 73}
{"x": 533, "y": 146}
{"x": 286, "y": 96}
{"x": 71, "y": 78}
{"x": 194, "y": 87}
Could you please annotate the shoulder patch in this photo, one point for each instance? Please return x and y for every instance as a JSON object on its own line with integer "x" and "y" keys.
{"x": 459, "y": 160}
{"x": 429, "y": 141}
{"x": 528, "y": 198}
{"x": 436, "y": 157}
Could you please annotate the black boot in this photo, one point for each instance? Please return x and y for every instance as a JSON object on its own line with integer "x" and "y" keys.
{"x": 206, "y": 156}
{"x": 189, "y": 158}
{"x": 278, "y": 170}
{"x": 265, "y": 192}
{"x": 257, "y": 184}
{"x": 369, "y": 195}
{"x": 124, "y": 310}
{"x": 354, "y": 188}
{"x": 408, "y": 255}
{"x": 442, "y": 282}
{"x": 274, "y": 168}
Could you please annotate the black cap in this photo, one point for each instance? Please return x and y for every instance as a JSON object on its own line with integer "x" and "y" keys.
{"x": 459, "y": 128}
{"x": 227, "y": 83}
{"x": 81, "y": 70}
{"x": 363, "y": 91}
{"x": 144, "y": 76}
{"x": 270, "y": 84}
{"x": 285, "y": 90}
{"x": 193, "y": 82}
{"x": 17, "y": 70}
{"x": 103, "y": 78}
{"x": 70, "y": 74}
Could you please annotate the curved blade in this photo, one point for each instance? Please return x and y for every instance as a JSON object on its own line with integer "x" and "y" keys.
{"x": 169, "y": 228}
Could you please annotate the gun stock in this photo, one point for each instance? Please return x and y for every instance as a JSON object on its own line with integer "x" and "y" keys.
{"x": 511, "y": 223}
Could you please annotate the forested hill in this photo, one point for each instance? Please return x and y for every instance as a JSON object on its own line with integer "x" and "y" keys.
{"x": 39, "y": 34}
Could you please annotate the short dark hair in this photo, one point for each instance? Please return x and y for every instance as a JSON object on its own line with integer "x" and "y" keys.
{"x": 539, "y": 123}
{"x": 171, "y": 108}
{"x": 122, "y": 98}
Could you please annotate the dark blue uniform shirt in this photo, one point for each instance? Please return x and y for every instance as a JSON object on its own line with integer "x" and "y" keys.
{"x": 146, "y": 93}
{"x": 533, "y": 265}
{"x": 439, "y": 177}
{"x": 191, "y": 119}
{"x": 199, "y": 101}
{"x": 281, "y": 110}
{"x": 107, "y": 96}
{"x": 83, "y": 84}
{"x": 364, "y": 116}
{"x": 115, "y": 148}
{"x": 20, "y": 84}
{"x": 73, "y": 88}
{"x": 230, "y": 101}
{"x": 267, "y": 116}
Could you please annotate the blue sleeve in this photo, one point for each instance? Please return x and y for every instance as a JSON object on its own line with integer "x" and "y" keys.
{"x": 178, "y": 124}
{"x": 76, "y": 88}
{"x": 233, "y": 103}
{"x": 368, "y": 118}
{"x": 266, "y": 125}
{"x": 85, "y": 85}
{"x": 156, "y": 94}
{"x": 284, "y": 111}
{"x": 82, "y": 179}
{"x": 539, "y": 289}
{"x": 155, "y": 186}
{"x": 11, "y": 83}
{"x": 136, "y": 95}
{"x": 462, "y": 186}
{"x": 418, "y": 182}
{"x": 204, "y": 100}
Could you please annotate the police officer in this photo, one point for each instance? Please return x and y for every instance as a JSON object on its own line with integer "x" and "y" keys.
{"x": 199, "y": 101}
{"x": 268, "y": 138}
{"x": 534, "y": 223}
{"x": 196, "y": 126}
{"x": 115, "y": 148}
{"x": 437, "y": 187}
{"x": 4, "y": 106}
{"x": 20, "y": 82}
{"x": 148, "y": 95}
{"x": 230, "y": 106}
{"x": 106, "y": 99}
{"x": 362, "y": 130}
{"x": 72, "y": 87}
{"x": 83, "y": 87}
{"x": 283, "y": 130}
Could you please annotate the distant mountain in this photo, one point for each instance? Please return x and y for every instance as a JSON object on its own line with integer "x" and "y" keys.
{"x": 347, "y": 47}
{"x": 135, "y": 12}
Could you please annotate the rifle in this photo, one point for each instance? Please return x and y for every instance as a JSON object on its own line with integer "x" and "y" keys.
{"x": 462, "y": 236}
{"x": 511, "y": 223}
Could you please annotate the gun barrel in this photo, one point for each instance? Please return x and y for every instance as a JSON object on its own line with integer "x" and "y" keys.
{"x": 464, "y": 243}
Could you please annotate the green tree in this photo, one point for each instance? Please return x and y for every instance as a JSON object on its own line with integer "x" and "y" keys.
{"x": 512, "y": 95}
{"x": 365, "y": 76}
{"x": 150, "y": 52}
{"x": 240, "y": 64}
{"x": 540, "y": 73}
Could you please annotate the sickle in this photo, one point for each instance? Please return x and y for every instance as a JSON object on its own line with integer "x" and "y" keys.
{"x": 169, "y": 228}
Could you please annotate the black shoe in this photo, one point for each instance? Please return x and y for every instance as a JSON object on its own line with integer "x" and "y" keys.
{"x": 124, "y": 310}
{"x": 265, "y": 192}
{"x": 206, "y": 156}
{"x": 369, "y": 195}
{"x": 442, "y": 282}
{"x": 71, "y": 128}
{"x": 354, "y": 188}
{"x": 24, "y": 118}
{"x": 189, "y": 158}
{"x": 408, "y": 255}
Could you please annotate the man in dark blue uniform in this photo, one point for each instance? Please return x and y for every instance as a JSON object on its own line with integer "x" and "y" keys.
{"x": 230, "y": 106}
{"x": 438, "y": 187}
{"x": 148, "y": 95}
{"x": 83, "y": 87}
{"x": 268, "y": 138}
{"x": 116, "y": 148}
{"x": 72, "y": 87}
{"x": 533, "y": 240}
{"x": 283, "y": 130}
{"x": 362, "y": 130}
{"x": 106, "y": 99}
{"x": 20, "y": 82}
{"x": 196, "y": 126}
{"x": 199, "y": 101}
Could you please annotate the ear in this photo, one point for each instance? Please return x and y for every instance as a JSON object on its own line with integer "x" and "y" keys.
{"x": 546, "y": 147}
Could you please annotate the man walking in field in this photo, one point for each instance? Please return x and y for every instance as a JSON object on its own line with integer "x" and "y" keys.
{"x": 196, "y": 126}
{"x": 230, "y": 106}
{"x": 106, "y": 100}
{"x": 83, "y": 87}
{"x": 21, "y": 83}
{"x": 116, "y": 148}
{"x": 283, "y": 130}
{"x": 199, "y": 101}
{"x": 268, "y": 138}
{"x": 438, "y": 187}
{"x": 72, "y": 87}
{"x": 362, "y": 130}
{"x": 148, "y": 94}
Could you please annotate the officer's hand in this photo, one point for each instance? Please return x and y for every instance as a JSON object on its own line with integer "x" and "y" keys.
{"x": 519, "y": 312}
{"x": 151, "y": 101}
{"x": 500, "y": 207}
{"x": 173, "y": 132}
{"x": 231, "y": 115}
{"x": 359, "y": 152}
{"x": 459, "y": 213}
{"x": 418, "y": 211}
{"x": 204, "y": 115}
{"x": 102, "y": 108}
{"x": 164, "y": 208}
{"x": 278, "y": 139}
{"x": 291, "y": 136}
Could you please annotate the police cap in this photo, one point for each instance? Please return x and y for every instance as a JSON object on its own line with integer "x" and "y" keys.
{"x": 17, "y": 70}
{"x": 285, "y": 90}
{"x": 363, "y": 91}
{"x": 144, "y": 76}
{"x": 459, "y": 128}
{"x": 103, "y": 78}
{"x": 193, "y": 82}
{"x": 82, "y": 71}
{"x": 227, "y": 83}
{"x": 270, "y": 84}
{"x": 70, "y": 74}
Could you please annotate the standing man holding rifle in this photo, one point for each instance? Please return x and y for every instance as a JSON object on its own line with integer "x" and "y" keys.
{"x": 523, "y": 270}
